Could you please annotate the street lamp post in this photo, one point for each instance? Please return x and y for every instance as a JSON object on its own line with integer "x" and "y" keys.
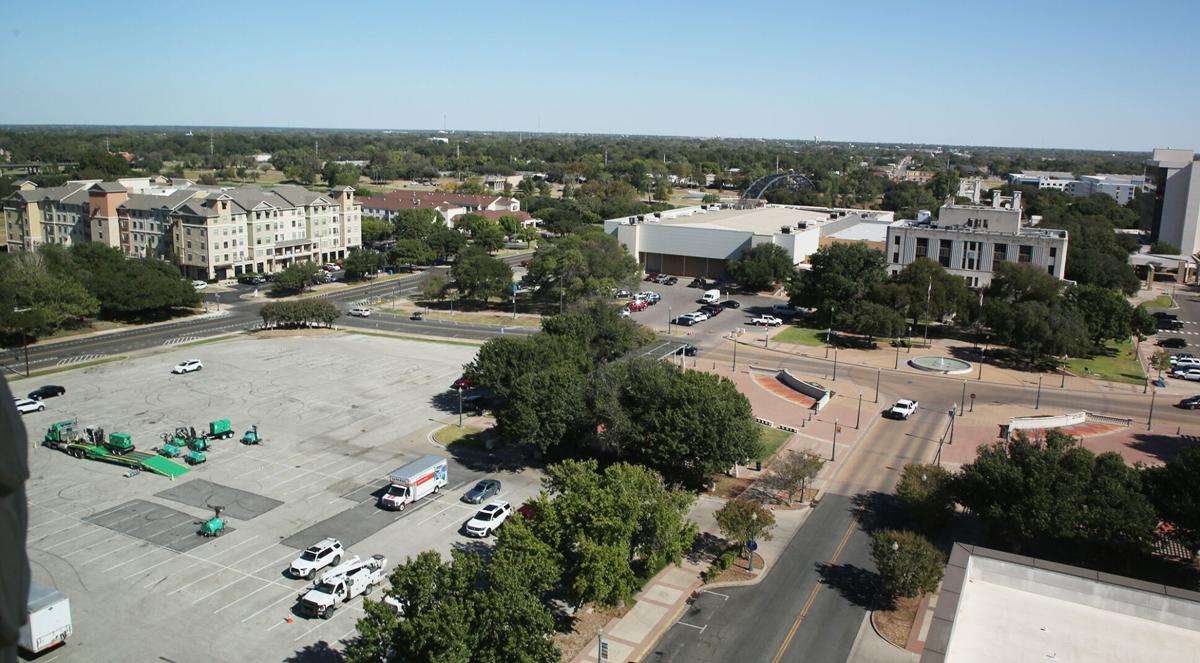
{"x": 1037, "y": 404}
{"x": 962, "y": 403}
{"x": 749, "y": 552}
{"x": 833, "y": 453}
{"x": 858, "y": 416}
{"x": 733, "y": 338}
{"x": 460, "y": 414}
{"x": 835, "y": 364}
{"x": 897, "y": 365}
{"x": 1150, "y": 419}
{"x": 878, "y": 375}
{"x": 668, "y": 321}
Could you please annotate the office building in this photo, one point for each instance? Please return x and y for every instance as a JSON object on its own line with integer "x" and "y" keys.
{"x": 1121, "y": 188}
{"x": 1176, "y": 216}
{"x": 971, "y": 240}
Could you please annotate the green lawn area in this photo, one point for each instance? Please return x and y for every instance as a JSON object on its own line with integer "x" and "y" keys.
{"x": 467, "y": 436}
{"x": 1120, "y": 367}
{"x": 772, "y": 439}
{"x": 800, "y": 335}
{"x": 1161, "y": 301}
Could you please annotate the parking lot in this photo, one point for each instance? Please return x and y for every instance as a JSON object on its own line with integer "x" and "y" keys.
{"x": 679, "y": 298}
{"x": 336, "y": 412}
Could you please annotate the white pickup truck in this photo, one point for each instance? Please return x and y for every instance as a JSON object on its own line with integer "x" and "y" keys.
{"x": 766, "y": 321}
{"x": 342, "y": 583}
{"x": 903, "y": 409}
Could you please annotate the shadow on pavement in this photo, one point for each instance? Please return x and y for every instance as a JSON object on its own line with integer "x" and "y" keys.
{"x": 318, "y": 652}
{"x": 857, "y": 585}
{"x": 1163, "y": 447}
{"x": 876, "y": 511}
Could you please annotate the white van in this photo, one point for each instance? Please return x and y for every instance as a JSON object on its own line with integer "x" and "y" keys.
{"x": 711, "y": 296}
{"x": 427, "y": 474}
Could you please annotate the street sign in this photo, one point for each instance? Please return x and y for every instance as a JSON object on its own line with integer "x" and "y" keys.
{"x": 603, "y": 650}
{"x": 752, "y": 545}
{"x": 972, "y": 395}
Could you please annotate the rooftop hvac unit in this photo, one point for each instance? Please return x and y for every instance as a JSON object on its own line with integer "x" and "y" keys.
{"x": 802, "y": 226}
{"x": 787, "y": 230}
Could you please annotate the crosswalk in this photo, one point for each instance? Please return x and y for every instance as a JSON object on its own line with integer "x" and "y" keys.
{"x": 80, "y": 358}
{"x": 180, "y": 339}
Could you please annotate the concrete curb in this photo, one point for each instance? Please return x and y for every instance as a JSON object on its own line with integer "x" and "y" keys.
{"x": 128, "y": 328}
{"x": 871, "y": 618}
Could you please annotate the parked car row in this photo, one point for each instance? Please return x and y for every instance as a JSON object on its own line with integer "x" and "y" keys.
{"x": 662, "y": 279}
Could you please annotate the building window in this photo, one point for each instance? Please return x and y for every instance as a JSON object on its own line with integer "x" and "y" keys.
{"x": 896, "y": 240}
{"x": 895, "y": 257}
{"x": 1053, "y": 251}
{"x": 944, "y": 247}
{"x": 1025, "y": 253}
{"x": 922, "y": 249}
{"x": 999, "y": 254}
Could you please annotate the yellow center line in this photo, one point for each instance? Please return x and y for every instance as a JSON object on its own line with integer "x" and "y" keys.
{"x": 812, "y": 595}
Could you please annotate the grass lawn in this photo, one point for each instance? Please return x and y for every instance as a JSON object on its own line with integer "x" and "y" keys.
{"x": 1121, "y": 366}
{"x": 1161, "y": 301}
{"x": 466, "y": 436}
{"x": 772, "y": 439}
{"x": 800, "y": 335}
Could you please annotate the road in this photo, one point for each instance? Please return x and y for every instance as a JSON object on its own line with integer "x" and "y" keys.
{"x": 811, "y": 605}
{"x": 239, "y": 311}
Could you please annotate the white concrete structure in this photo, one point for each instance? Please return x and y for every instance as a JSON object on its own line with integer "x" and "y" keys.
{"x": 1176, "y": 180}
{"x": 696, "y": 241}
{"x": 1121, "y": 188}
{"x": 996, "y": 607}
{"x": 970, "y": 240}
{"x": 1042, "y": 179}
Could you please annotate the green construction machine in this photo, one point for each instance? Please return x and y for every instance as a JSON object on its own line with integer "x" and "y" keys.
{"x": 251, "y": 436}
{"x": 214, "y": 526}
{"x": 117, "y": 448}
{"x": 220, "y": 429}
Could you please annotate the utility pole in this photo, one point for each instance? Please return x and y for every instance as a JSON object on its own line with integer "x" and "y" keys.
{"x": 962, "y": 402}
{"x": 878, "y": 374}
{"x": 858, "y": 416}
{"x": 1037, "y": 404}
{"x": 928, "y": 296}
{"x": 460, "y": 407}
{"x": 1150, "y": 419}
{"x": 833, "y": 454}
{"x": 835, "y": 364}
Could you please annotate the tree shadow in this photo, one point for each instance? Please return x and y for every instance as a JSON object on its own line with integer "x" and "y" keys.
{"x": 860, "y": 586}
{"x": 706, "y": 548}
{"x": 1163, "y": 447}
{"x": 875, "y": 511}
{"x": 318, "y": 652}
{"x": 446, "y": 401}
{"x": 498, "y": 459}
{"x": 479, "y": 547}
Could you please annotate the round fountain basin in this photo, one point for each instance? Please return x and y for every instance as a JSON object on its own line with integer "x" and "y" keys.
{"x": 943, "y": 365}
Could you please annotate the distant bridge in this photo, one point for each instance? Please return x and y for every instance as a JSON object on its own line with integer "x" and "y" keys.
{"x": 791, "y": 180}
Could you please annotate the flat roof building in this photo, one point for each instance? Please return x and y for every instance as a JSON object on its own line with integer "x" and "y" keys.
{"x": 971, "y": 240}
{"x": 996, "y": 607}
{"x": 698, "y": 241}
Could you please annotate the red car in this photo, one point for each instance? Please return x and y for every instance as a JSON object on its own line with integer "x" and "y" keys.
{"x": 637, "y": 305}
{"x": 652, "y": 276}
{"x": 463, "y": 383}
{"x": 524, "y": 263}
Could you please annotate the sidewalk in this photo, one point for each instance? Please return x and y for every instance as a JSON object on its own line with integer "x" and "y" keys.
{"x": 665, "y": 596}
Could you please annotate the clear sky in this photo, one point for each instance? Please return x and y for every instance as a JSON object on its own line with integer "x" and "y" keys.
{"x": 1094, "y": 74}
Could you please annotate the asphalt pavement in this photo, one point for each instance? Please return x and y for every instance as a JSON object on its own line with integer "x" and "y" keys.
{"x": 793, "y": 615}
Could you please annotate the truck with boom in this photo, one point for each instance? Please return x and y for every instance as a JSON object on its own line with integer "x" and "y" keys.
{"x": 340, "y": 584}
{"x": 425, "y": 475}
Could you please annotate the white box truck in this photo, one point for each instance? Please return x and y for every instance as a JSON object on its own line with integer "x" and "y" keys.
{"x": 49, "y": 619}
{"x": 425, "y": 475}
{"x": 711, "y": 296}
{"x": 342, "y": 583}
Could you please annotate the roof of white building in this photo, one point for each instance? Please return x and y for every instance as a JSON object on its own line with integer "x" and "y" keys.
{"x": 766, "y": 220}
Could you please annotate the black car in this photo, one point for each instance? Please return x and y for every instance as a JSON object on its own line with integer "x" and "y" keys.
{"x": 1163, "y": 315}
{"x": 482, "y": 490}
{"x": 1169, "y": 324}
{"x": 698, "y": 283}
{"x": 671, "y": 280}
{"x": 688, "y": 350}
{"x": 48, "y": 391}
{"x": 1173, "y": 343}
{"x": 417, "y": 316}
{"x": 731, "y": 303}
{"x": 1190, "y": 403}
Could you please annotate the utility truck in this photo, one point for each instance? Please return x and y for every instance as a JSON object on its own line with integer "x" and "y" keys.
{"x": 425, "y": 475}
{"x": 342, "y": 583}
{"x": 49, "y": 619}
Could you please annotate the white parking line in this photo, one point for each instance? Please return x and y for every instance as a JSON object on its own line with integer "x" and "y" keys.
{"x": 153, "y": 549}
{"x": 68, "y": 529}
{"x": 229, "y": 584}
{"x": 243, "y": 598}
{"x": 235, "y": 546}
{"x": 290, "y": 595}
{"x": 176, "y": 591}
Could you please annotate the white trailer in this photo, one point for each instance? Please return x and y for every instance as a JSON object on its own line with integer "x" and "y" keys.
{"x": 342, "y": 583}
{"x": 49, "y": 619}
{"x": 425, "y": 475}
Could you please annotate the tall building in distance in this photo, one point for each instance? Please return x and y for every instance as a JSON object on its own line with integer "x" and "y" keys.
{"x": 1176, "y": 216}
{"x": 209, "y": 232}
{"x": 971, "y": 240}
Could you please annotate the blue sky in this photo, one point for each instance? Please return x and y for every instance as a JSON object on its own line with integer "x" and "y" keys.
{"x": 1099, "y": 74}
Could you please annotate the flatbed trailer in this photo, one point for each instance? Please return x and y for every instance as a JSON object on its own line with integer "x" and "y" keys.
{"x": 65, "y": 437}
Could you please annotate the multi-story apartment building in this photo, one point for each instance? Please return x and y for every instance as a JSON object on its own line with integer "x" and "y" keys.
{"x": 1121, "y": 188}
{"x": 210, "y": 232}
{"x": 970, "y": 240}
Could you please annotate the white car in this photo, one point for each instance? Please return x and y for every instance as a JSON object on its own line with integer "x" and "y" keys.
{"x": 359, "y": 312}
{"x": 650, "y": 296}
{"x": 1187, "y": 373}
{"x": 766, "y": 321}
{"x": 27, "y": 405}
{"x": 903, "y": 409}
{"x": 699, "y": 316}
{"x": 187, "y": 366}
{"x": 199, "y": 285}
{"x": 488, "y": 518}
{"x": 323, "y": 553}
{"x": 686, "y": 319}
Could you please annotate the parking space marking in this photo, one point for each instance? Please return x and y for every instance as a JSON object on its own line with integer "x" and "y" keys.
{"x": 342, "y": 609}
{"x": 234, "y": 547}
{"x": 220, "y": 570}
{"x": 231, "y": 583}
{"x": 152, "y": 550}
{"x": 254, "y": 614}
{"x": 68, "y": 529}
{"x": 100, "y": 529}
{"x": 242, "y": 598}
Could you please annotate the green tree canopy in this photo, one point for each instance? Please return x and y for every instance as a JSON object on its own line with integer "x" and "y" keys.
{"x": 361, "y": 263}
{"x": 907, "y": 562}
{"x": 590, "y": 263}
{"x": 925, "y": 491}
{"x": 742, "y": 520}
{"x": 376, "y": 230}
{"x": 37, "y": 297}
{"x": 416, "y": 223}
{"x": 840, "y": 274}
{"x": 481, "y": 276}
{"x": 489, "y": 236}
{"x": 130, "y": 287}
{"x": 294, "y": 278}
{"x": 761, "y": 267}
{"x": 411, "y": 252}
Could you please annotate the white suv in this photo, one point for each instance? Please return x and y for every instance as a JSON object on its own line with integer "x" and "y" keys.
{"x": 323, "y": 553}
{"x": 187, "y": 366}
{"x": 360, "y": 312}
{"x": 488, "y": 518}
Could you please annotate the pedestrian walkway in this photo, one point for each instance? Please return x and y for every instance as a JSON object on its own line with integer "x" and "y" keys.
{"x": 870, "y": 647}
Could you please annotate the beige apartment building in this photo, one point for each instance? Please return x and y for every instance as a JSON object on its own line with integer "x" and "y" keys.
{"x": 210, "y": 232}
